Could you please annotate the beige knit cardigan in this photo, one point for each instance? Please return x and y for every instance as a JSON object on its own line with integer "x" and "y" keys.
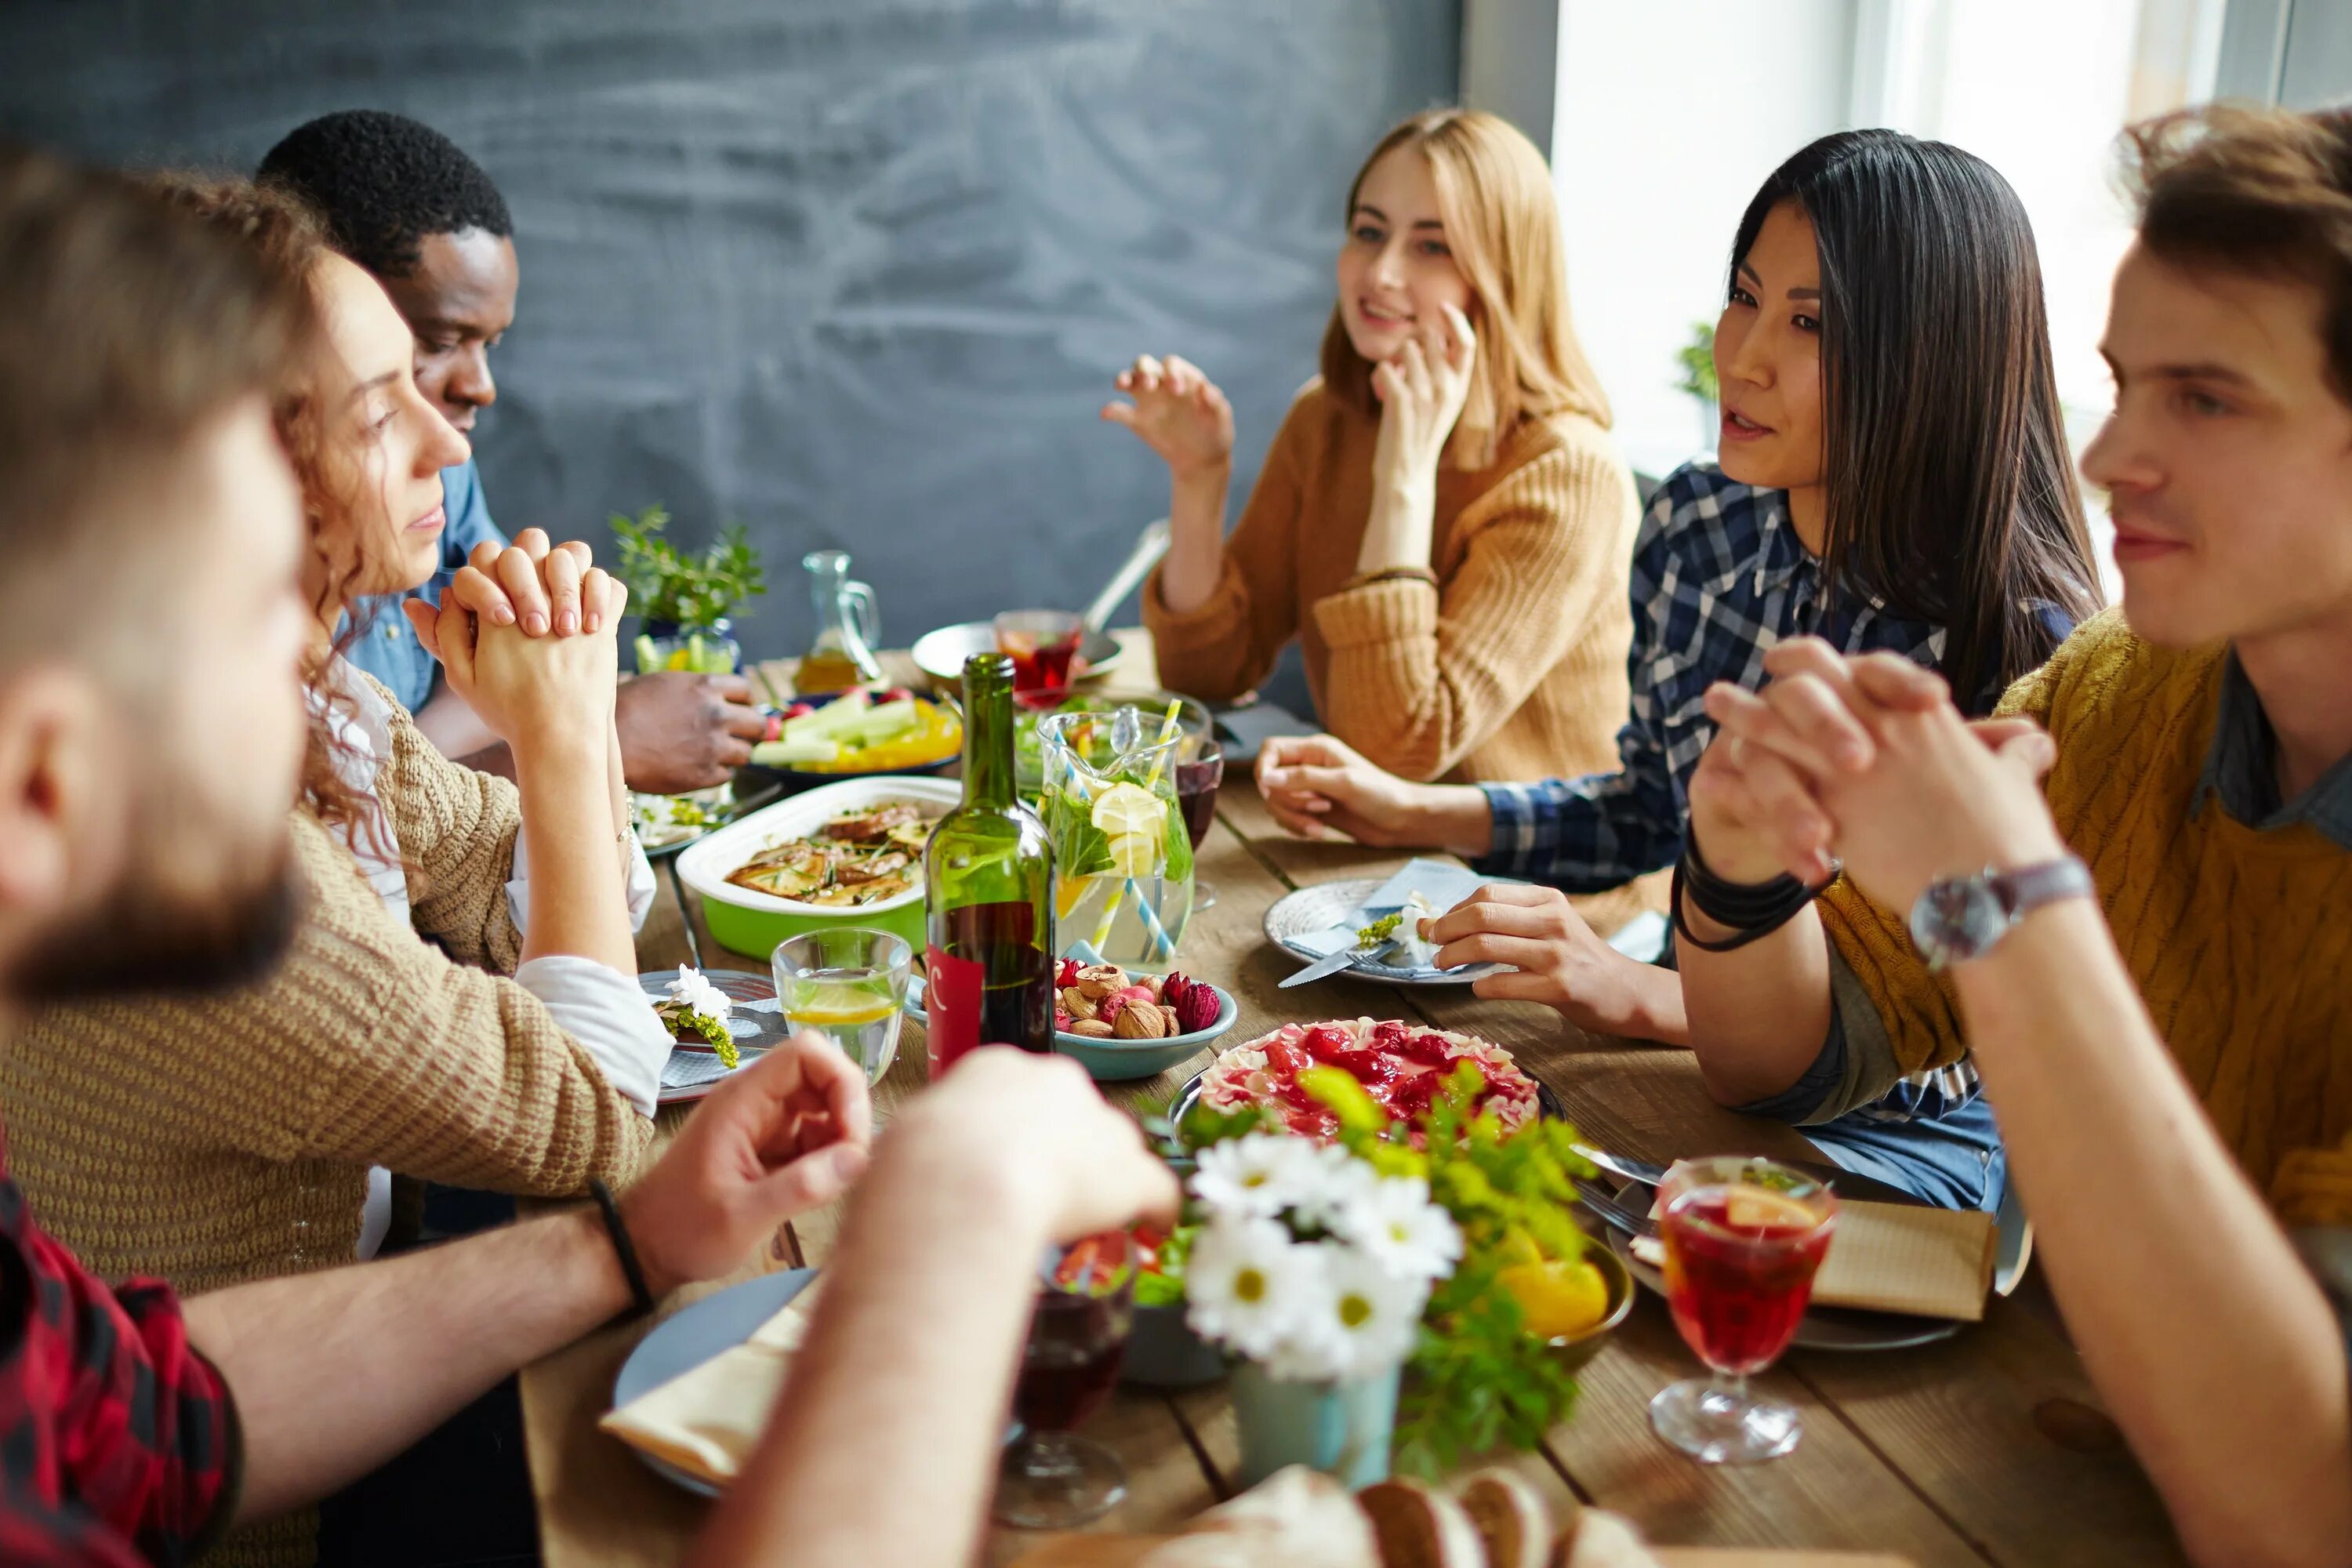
{"x": 214, "y": 1141}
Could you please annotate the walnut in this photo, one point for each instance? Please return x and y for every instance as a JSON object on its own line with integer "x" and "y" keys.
{"x": 1091, "y": 1028}
{"x": 1100, "y": 980}
{"x": 1174, "y": 1027}
{"x": 1077, "y": 1004}
{"x": 1140, "y": 1022}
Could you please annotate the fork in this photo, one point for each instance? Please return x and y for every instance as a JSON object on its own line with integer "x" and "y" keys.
{"x": 1623, "y": 1215}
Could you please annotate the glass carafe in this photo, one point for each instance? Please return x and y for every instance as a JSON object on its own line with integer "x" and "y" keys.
{"x": 1122, "y": 857}
{"x": 848, "y": 625}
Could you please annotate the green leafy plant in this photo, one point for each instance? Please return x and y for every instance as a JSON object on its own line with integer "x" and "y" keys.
{"x": 1478, "y": 1377}
{"x": 1697, "y": 359}
{"x": 666, "y": 583}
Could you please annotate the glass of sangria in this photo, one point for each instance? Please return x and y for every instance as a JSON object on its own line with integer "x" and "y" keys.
{"x": 1041, "y": 643}
{"x": 1052, "y": 1479}
{"x": 1197, "y": 778}
{"x": 1743, "y": 1239}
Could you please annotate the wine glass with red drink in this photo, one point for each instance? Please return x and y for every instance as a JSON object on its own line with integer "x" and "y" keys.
{"x": 1052, "y": 1479}
{"x": 1042, "y": 644}
{"x": 1197, "y": 781}
{"x": 1743, "y": 1239}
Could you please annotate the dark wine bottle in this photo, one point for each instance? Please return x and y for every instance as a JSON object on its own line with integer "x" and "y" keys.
{"x": 988, "y": 877}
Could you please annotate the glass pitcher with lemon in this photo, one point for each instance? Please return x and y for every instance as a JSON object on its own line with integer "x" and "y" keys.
{"x": 1122, "y": 860}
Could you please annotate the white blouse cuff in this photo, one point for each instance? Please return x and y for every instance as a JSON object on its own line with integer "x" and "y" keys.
{"x": 611, "y": 1016}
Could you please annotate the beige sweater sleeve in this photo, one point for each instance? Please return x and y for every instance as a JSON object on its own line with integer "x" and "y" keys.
{"x": 1229, "y": 644}
{"x": 458, "y": 829}
{"x": 1420, "y": 675}
{"x": 369, "y": 1046}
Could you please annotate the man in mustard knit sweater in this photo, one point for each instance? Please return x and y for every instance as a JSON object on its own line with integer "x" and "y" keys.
{"x": 150, "y": 734}
{"x": 2175, "y": 1081}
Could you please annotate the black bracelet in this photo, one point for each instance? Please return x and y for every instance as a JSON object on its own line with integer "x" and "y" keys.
{"x": 1752, "y": 909}
{"x": 641, "y": 1299}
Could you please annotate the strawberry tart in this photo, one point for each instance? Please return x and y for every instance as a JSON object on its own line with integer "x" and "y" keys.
{"x": 1402, "y": 1064}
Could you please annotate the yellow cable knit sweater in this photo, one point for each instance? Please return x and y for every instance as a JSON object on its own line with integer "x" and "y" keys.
{"x": 2240, "y": 940}
{"x": 1512, "y": 667}
{"x": 217, "y": 1140}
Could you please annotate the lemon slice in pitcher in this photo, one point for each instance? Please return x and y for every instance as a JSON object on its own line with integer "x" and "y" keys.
{"x": 1135, "y": 854}
{"x": 1126, "y": 808}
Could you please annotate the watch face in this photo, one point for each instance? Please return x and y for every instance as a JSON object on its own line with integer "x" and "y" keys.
{"x": 1958, "y": 919}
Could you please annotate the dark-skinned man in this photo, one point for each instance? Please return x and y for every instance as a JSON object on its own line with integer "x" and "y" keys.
{"x": 405, "y": 202}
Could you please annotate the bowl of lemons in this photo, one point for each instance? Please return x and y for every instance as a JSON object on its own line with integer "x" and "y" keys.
{"x": 1570, "y": 1303}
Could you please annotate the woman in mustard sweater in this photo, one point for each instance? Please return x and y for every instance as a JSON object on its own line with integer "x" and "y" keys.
{"x": 1443, "y": 519}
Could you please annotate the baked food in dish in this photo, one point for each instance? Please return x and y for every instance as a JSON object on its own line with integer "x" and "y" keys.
{"x": 1401, "y": 1065}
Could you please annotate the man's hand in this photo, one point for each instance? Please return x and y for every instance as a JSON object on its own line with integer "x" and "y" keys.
{"x": 682, "y": 731}
{"x": 1825, "y": 756}
{"x": 787, "y": 1134}
{"x": 1561, "y": 962}
{"x": 1073, "y": 1164}
{"x": 1318, "y": 786}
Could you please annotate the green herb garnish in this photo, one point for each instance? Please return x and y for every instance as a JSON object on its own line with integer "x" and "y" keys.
{"x": 673, "y": 1015}
{"x": 1380, "y": 931}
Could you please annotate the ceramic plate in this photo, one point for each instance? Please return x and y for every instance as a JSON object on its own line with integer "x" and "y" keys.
{"x": 1821, "y": 1328}
{"x": 1326, "y": 904}
{"x": 941, "y": 653}
{"x": 756, "y": 1023}
{"x": 695, "y": 1334}
{"x": 747, "y": 801}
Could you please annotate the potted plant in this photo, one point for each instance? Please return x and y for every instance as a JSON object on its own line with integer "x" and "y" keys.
{"x": 1696, "y": 360}
{"x": 684, "y": 601}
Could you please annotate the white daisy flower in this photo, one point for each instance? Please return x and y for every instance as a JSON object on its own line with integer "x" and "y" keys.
{"x": 1248, "y": 1284}
{"x": 1259, "y": 1175}
{"x": 1395, "y": 1223}
{"x": 1367, "y": 1321}
{"x": 699, "y": 995}
{"x": 1335, "y": 1190}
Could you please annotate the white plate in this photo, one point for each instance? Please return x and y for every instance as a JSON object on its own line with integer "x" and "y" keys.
{"x": 941, "y": 653}
{"x": 1326, "y": 904}
{"x": 704, "y": 864}
{"x": 695, "y": 1334}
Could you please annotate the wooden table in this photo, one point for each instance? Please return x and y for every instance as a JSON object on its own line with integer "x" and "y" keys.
{"x": 1988, "y": 1448}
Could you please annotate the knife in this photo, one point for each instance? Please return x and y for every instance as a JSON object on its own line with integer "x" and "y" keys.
{"x": 1321, "y": 969}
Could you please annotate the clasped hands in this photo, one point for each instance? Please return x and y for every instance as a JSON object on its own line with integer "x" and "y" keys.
{"x": 1864, "y": 758}
{"x": 528, "y": 635}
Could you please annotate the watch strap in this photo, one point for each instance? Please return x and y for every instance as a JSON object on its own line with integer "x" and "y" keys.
{"x": 2029, "y": 888}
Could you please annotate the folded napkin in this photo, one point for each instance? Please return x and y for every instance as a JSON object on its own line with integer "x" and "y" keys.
{"x": 707, "y": 1420}
{"x": 1439, "y": 884}
{"x": 1900, "y": 1257}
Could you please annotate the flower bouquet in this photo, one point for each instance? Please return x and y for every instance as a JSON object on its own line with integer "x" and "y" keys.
{"x": 1314, "y": 1267}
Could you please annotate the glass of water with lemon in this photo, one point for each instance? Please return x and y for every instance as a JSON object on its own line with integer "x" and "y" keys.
{"x": 850, "y": 983}
{"x": 1122, "y": 860}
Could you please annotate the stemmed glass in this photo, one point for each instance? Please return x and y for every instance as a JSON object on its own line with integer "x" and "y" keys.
{"x": 1197, "y": 782}
{"x": 1743, "y": 1239}
{"x": 1053, "y": 1478}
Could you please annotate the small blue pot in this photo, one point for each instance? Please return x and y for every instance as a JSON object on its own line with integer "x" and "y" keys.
{"x": 1340, "y": 1429}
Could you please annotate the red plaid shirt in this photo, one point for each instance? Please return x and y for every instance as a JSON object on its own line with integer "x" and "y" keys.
{"x": 118, "y": 1441}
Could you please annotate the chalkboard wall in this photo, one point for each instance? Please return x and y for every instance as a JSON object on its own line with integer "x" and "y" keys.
{"x": 856, "y": 272}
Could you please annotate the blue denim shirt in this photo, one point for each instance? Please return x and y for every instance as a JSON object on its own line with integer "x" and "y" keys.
{"x": 387, "y": 647}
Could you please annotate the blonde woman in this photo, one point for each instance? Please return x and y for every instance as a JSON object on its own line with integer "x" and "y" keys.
{"x": 1443, "y": 519}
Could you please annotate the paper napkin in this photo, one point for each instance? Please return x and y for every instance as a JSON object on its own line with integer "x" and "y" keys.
{"x": 707, "y": 1420}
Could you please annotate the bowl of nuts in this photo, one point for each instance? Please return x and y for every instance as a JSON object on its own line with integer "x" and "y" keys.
{"x": 1124, "y": 1024}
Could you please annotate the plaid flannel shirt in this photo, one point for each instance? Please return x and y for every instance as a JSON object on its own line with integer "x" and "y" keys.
{"x": 1719, "y": 578}
{"x": 118, "y": 1441}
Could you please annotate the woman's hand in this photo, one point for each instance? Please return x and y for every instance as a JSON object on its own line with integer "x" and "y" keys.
{"x": 1422, "y": 391}
{"x": 530, "y": 691}
{"x": 1318, "y": 786}
{"x": 521, "y": 585}
{"x": 1561, "y": 963}
{"x": 1179, "y": 412}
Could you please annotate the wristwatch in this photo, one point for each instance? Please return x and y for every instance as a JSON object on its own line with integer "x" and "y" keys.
{"x": 1960, "y": 918}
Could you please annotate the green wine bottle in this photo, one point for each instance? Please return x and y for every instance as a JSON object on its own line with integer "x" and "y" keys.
{"x": 988, "y": 879}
